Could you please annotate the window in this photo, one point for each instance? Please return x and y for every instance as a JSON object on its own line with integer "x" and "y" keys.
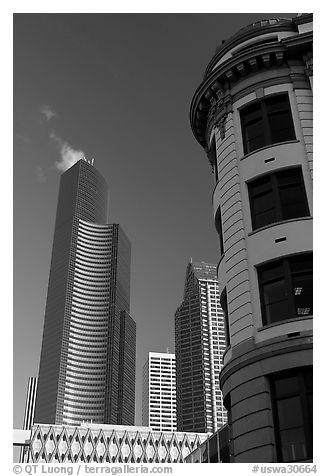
{"x": 224, "y": 305}
{"x": 213, "y": 157}
{"x": 276, "y": 197}
{"x": 286, "y": 288}
{"x": 293, "y": 415}
{"x": 266, "y": 122}
{"x": 218, "y": 226}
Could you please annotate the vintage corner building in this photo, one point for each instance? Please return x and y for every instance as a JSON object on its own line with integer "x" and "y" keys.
{"x": 252, "y": 114}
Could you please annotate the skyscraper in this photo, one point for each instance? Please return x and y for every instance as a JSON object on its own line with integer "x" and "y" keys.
{"x": 159, "y": 392}
{"x": 199, "y": 347}
{"x": 88, "y": 335}
{"x": 253, "y": 114}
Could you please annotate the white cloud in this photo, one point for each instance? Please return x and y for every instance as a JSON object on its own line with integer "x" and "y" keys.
{"x": 69, "y": 155}
{"x": 40, "y": 175}
{"x": 48, "y": 113}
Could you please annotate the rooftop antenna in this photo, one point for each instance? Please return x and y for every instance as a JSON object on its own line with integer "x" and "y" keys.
{"x": 90, "y": 162}
{"x": 167, "y": 350}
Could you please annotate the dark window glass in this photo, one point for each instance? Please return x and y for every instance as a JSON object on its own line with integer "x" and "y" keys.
{"x": 267, "y": 122}
{"x": 218, "y": 226}
{"x": 276, "y": 197}
{"x": 292, "y": 400}
{"x": 224, "y": 305}
{"x": 276, "y": 302}
{"x": 213, "y": 158}
{"x": 286, "y": 288}
{"x": 286, "y": 386}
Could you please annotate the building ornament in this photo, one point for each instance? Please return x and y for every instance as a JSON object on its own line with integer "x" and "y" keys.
{"x": 218, "y": 111}
{"x": 308, "y": 59}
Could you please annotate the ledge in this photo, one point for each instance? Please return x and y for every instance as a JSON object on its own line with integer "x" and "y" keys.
{"x": 276, "y": 346}
{"x": 285, "y": 321}
{"x": 269, "y": 146}
{"x": 291, "y": 220}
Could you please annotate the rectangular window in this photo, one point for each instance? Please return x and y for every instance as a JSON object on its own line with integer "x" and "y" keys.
{"x": 286, "y": 288}
{"x": 276, "y": 197}
{"x": 218, "y": 226}
{"x": 224, "y": 305}
{"x": 266, "y": 122}
{"x": 292, "y": 410}
{"x": 213, "y": 157}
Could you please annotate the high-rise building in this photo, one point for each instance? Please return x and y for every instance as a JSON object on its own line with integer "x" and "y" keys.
{"x": 252, "y": 113}
{"x": 87, "y": 365}
{"x": 199, "y": 347}
{"x": 29, "y": 413}
{"x": 159, "y": 396}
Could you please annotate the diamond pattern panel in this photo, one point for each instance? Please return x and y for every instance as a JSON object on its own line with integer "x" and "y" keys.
{"x": 102, "y": 443}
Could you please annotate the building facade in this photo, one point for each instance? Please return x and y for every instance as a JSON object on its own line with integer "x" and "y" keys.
{"x": 215, "y": 449}
{"x": 252, "y": 114}
{"x": 199, "y": 347}
{"x": 29, "y": 413}
{"x": 159, "y": 392}
{"x": 88, "y": 338}
{"x": 91, "y": 443}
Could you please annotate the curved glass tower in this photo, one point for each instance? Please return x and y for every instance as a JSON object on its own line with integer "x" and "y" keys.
{"x": 87, "y": 368}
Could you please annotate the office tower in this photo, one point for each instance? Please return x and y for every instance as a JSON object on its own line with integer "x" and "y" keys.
{"x": 29, "y": 413}
{"x": 86, "y": 320}
{"x": 159, "y": 399}
{"x": 199, "y": 346}
{"x": 252, "y": 113}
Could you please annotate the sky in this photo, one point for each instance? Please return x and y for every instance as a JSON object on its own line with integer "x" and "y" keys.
{"x": 116, "y": 88}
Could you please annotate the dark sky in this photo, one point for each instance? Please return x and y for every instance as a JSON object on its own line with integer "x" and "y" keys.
{"x": 117, "y": 87}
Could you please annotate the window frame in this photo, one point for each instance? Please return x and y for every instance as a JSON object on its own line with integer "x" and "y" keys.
{"x": 264, "y": 114}
{"x": 287, "y": 276}
{"x": 275, "y": 187}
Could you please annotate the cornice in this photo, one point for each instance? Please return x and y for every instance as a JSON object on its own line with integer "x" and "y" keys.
{"x": 220, "y": 80}
{"x": 210, "y": 95}
{"x": 304, "y": 18}
{"x": 248, "y": 32}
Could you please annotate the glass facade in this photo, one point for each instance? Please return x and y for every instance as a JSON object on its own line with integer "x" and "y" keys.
{"x": 199, "y": 344}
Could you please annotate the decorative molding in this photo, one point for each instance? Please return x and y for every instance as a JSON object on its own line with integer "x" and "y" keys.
{"x": 245, "y": 67}
{"x": 308, "y": 59}
{"x": 108, "y": 444}
{"x": 221, "y": 105}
